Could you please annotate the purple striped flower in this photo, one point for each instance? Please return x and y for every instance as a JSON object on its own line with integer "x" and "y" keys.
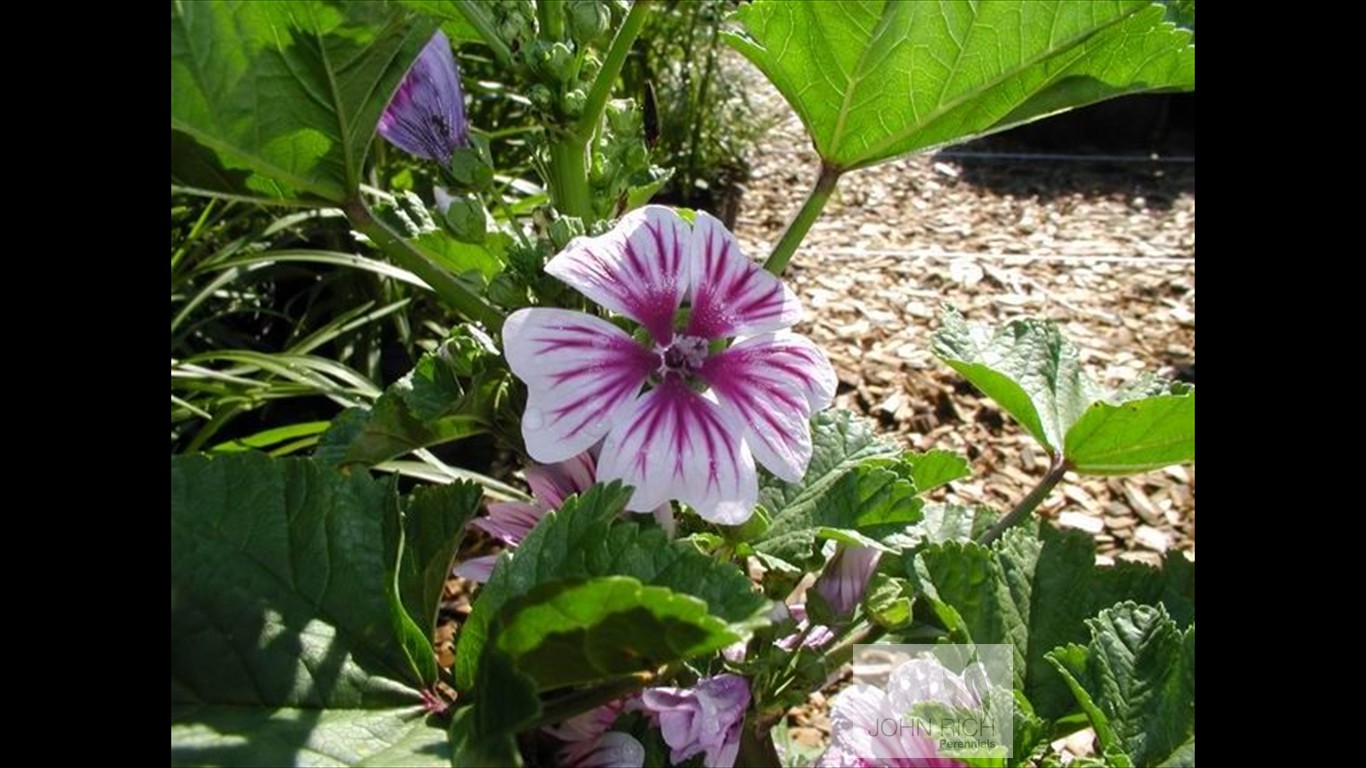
{"x": 705, "y": 718}
{"x": 845, "y": 577}
{"x": 426, "y": 117}
{"x": 511, "y": 521}
{"x": 681, "y": 414}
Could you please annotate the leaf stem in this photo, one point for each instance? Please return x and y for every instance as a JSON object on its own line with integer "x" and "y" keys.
{"x": 810, "y": 210}
{"x": 1030, "y": 501}
{"x": 578, "y": 702}
{"x": 551, "y": 15}
{"x": 569, "y": 176}
{"x": 452, "y": 292}
{"x": 478, "y": 17}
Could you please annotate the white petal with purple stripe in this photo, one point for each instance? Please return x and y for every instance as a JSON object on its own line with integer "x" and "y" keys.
{"x": 768, "y": 386}
{"x": 731, "y": 295}
{"x": 582, "y": 375}
{"x": 676, "y": 444}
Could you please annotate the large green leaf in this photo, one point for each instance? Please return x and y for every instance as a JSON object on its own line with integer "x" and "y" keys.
{"x": 1134, "y": 436}
{"x": 841, "y": 442}
{"x": 289, "y": 92}
{"x": 874, "y": 79}
{"x": 583, "y": 540}
{"x": 1032, "y": 372}
{"x": 289, "y": 642}
{"x": 573, "y": 632}
{"x": 1035, "y": 593}
{"x": 1135, "y": 680}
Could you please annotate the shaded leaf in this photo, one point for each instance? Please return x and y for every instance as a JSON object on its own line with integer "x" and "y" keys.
{"x": 288, "y": 637}
{"x": 874, "y": 79}
{"x": 433, "y": 525}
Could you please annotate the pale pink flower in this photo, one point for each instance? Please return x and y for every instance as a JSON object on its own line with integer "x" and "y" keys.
{"x": 589, "y": 743}
{"x": 705, "y": 718}
{"x": 845, "y": 577}
{"x": 681, "y": 415}
{"x": 511, "y": 521}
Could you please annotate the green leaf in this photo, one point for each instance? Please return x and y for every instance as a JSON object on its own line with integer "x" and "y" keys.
{"x": 935, "y": 468}
{"x": 583, "y": 540}
{"x": 873, "y": 79}
{"x": 1027, "y": 367}
{"x": 1035, "y": 593}
{"x": 825, "y": 498}
{"x": 471, "y": 749}
{"x": 888, "y": 601}
{"x": 433, "y": 526}
{"x": 288, "y": 638}
{"x": 290, "y": 92}
{"x": 1135, "y": 680}
{"x": 253, "y": 736}
{"x": 452, "y": 393}
{"x": 1134, "y": 436}
{"x": 453, "y": 22}
{"x": 485, "y": 259}
{"x": 573, "y": 632}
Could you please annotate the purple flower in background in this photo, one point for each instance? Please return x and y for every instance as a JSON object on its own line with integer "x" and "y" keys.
{"x": 845, "y": 577}
{"x": 682, "y": 415}
{"x": 589, "y": 743}
{"x": 807, "y": 636}
{"x": 511, "y": 521}
{"x": 426, "y": 117}
{"x": 705, "y": 718}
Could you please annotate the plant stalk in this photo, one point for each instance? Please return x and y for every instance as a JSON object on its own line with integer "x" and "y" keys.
{"x": 1031, "y": 500}
{"x": 756, "y": 747}
{"x": 611, "y": 68}
{"x": 452, "y": 292}
{"x": 810, "y": 210}
{"x": 569, "y": 176}
{"x": 569, "y": 705}
{"x": 479, "y": 18}
{"x": 551, "y": 15}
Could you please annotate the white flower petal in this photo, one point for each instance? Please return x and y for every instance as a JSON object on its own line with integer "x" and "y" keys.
{"x": 731, "y": 295}
{"x": 582, "y": 375}
{"x": 675, "y": 444}
{"x": 639, "y": 269}
{"x": 769, "y": 386}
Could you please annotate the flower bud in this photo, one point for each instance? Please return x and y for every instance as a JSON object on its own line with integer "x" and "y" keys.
{"x": 589, "y": 20}
{"x": 466, "y": 219}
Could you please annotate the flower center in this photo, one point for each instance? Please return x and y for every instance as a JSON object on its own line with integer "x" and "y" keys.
{"x": 684, "y": 356}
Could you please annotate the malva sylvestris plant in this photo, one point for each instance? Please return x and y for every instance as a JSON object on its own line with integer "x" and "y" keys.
{"x": 596, "y": 640}
{"x": 681, "y": 412}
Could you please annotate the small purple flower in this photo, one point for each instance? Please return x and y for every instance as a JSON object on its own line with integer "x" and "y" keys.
{"x": 682, "y": 415}
{"x": 426, "y": 117}
{"x": 705, "y": 718}
{"x": 511, "y": 521}
{"x": 845, "y": 577}
{"x": 807, "y": 636}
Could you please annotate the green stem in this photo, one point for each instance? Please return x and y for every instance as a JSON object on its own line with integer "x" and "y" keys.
{"x": 569, "y": 176}
{"x": 1030, "y": 501}
{"x": 479, "y": 18}
{"x": 452, "y": 292}
{"x": 796, "y": 231}
{"x": 756, "y": 747}
{"x": 611, "y": 68}
{"x": 551, "y": 15}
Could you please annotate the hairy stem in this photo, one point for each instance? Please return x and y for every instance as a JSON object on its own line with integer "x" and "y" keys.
{"x": 1030, "y": 501}
{"x": 478, "y": 17}
{"x": 811, "y": 209}
{"x": 611, "y": 68}
{"x": 452, "y": 292}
